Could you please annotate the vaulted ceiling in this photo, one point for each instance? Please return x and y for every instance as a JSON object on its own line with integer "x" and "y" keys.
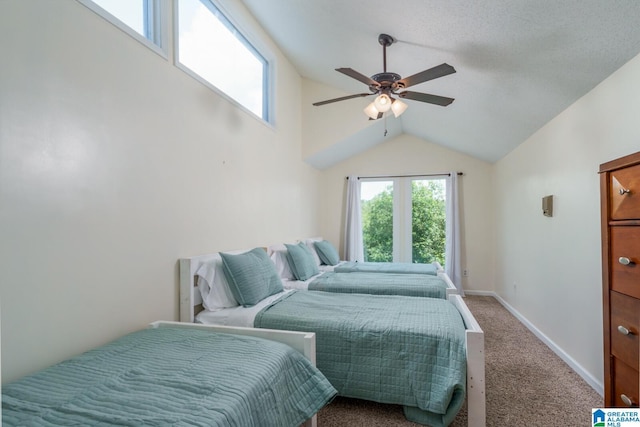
{"x": 519, "y": 63}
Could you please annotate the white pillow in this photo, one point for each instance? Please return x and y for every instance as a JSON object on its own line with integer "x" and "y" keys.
{"x": 279, "y": 258}
{"x": 213, "y": 286}
{"x": 310, "y": 244}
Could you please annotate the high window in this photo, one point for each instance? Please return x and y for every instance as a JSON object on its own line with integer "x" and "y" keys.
{"x": 142, "y": 19}
{"x": 404, "y": 219}
{"x": 211, "y": 48}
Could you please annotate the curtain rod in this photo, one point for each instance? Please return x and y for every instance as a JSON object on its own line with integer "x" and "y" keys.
{"x": 408, "y": 176}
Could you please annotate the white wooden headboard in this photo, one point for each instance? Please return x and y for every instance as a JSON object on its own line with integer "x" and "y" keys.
{"x": 190, "y": 298}
{"x": 303, "y": 342}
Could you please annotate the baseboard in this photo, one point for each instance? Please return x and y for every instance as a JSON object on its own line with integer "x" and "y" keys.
{"x": 481, "y": 293}
{"x": 593, "y": 382}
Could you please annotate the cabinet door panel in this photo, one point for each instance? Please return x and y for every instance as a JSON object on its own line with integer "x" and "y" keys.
{"x": 625, "y": 317}
{"x": 625, "y": 382}
{"x": 625, "y": 193}
{"x": 625, "y": 245}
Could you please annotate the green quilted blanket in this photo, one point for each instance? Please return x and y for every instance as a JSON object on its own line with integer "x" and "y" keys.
{"x": 390, "y": 349}
{"x": 387, "y": 267}
{"x": 414, "y": 285}
{"x": 170, "y": 376}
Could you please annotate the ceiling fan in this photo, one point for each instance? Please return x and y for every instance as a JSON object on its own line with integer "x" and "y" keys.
{"x": 386, "y": 85}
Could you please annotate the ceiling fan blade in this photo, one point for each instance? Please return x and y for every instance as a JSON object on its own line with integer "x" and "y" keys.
{"x": 425, "y": 97}
{"x": 426, "y": 75}
{"x": 343, "y": 98}
{"x": 358, "y": 76}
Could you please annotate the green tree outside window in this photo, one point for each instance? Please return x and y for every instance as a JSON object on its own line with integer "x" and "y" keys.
{"x": 428, "y": 223}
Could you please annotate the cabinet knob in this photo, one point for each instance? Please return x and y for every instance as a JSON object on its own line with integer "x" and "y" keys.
{"x": 626, "y": 400}
{"x": 624, "y": 331}
{"x": 624, "y": 191}
{"x": 624, "y": 260}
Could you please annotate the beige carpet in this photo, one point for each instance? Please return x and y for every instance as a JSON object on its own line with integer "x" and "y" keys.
{"x": 526, "y": 383}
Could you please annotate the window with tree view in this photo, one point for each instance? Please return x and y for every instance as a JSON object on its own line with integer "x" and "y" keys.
{"x": 404, "y": 220}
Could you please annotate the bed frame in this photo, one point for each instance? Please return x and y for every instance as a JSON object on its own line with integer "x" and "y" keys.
{"x": 303, "y": 342}
{"x": 474, "y": 346}
{"x": 191, "y": 304}
{"x": 450, "y": 290}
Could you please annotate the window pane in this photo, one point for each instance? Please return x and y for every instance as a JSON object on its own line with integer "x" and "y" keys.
{"x": 131, "y": 12}
{"x": 404, "y": 220}
{"x": 212, "y": 48}
{"x": 428, "y": 220}
{"x": 377, "y": 220}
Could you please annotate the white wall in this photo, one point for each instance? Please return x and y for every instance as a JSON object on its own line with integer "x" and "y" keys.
{"x": 325, "y": 125}
{"x": 113, "y": 164}
{"x": 549, "y": 269}
{"x": 410, "y": 155}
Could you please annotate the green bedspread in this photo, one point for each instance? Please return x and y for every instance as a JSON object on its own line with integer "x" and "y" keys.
{"x": 171, "y": 376}
{"x": 387, "y": 267}
{"x": 390, "y": 349}
{"x": 414, "y": 285}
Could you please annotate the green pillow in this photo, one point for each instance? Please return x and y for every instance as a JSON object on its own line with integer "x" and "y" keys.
{"x": 252, "y": 276}
{"x": 301, "y": 260}
{"x": 327, "y": 253}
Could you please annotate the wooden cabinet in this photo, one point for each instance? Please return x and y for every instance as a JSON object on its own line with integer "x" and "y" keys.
{"x": 620, "y": 212}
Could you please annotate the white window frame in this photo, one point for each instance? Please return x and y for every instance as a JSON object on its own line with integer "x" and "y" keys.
{"x": 253, "y": 44}
{"x": 157, "y": 21}
{"x": 402, "y": 246}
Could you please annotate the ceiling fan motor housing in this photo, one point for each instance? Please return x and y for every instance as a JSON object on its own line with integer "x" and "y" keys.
{"x": 386, "y": 81}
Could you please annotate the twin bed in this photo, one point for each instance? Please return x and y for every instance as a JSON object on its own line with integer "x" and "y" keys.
{"x": 388, "y": 267}
{"x": 418, "y": 280}
{"x": 178, "y": 374}
{"x": 414, "y": 285}
{"x": 426, "y": 354}
{"x": 326, "y": 256}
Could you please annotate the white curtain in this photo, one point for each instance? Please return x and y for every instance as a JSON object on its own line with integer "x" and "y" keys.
{"x": 452, "y": 237}
{"x": 353, "y": 244}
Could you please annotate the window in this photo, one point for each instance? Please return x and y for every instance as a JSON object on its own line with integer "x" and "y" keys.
{"x": 213, "y": 49}
{"x": 142, "y": 19}
{"x": 403, "y": 219}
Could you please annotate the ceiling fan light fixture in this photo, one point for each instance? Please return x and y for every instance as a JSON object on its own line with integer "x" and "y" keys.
{"x": 371, "y": 111}
{"x": 398, "y": 107}
{"x": 382, "y": 103}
